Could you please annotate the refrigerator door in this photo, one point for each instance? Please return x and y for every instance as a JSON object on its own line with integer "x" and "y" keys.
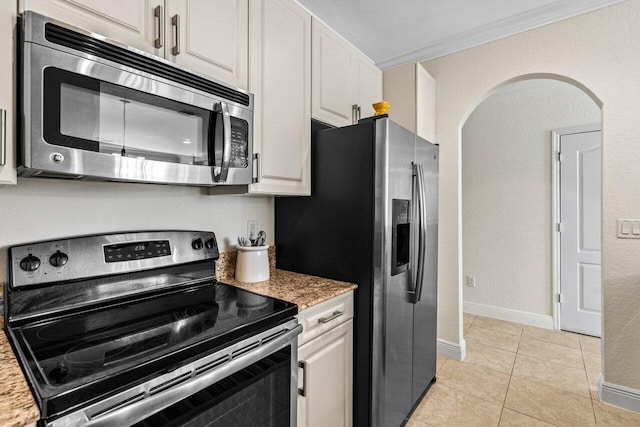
{"x": 393, "y": 310}
{"x": 425, "y": 310}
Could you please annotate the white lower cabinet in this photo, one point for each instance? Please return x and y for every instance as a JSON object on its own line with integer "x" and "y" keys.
{"x": 325, "y": 365}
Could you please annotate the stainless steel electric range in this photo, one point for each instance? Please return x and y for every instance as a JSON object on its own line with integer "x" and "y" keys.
{"x": 134, "y": 329}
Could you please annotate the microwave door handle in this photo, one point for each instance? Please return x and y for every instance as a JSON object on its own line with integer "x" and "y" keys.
{"x": 223, "y": 108}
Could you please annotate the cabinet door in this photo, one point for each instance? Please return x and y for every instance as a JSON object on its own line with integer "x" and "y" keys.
{"x": 326, "y": 378}
{"x": 130, "y": 22}
{"x": 332, "y": 93}
{"x": 7, "y": 103}
{"x": 368, "y": 80}
{"x": 210, "y": 36}
{"x": 425, "y": 104}
{"x": 281, "y": 80}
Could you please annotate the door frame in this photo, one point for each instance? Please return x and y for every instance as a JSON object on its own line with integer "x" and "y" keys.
{"x": 556, "y": 134}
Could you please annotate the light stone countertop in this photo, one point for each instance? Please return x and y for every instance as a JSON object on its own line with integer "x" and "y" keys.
{"x": 301, "y": 289}
{"x": 17, "y": 407}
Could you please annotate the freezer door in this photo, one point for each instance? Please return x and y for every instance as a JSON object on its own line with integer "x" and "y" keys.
{"x": 393, "y": 310}
{"x": 425, "y": 310}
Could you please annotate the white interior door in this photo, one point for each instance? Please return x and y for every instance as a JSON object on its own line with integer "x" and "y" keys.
{"x": 580, "y": 213}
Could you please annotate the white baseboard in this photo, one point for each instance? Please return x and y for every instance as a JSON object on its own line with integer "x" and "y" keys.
{"x": 624, "y": 397}
{"x": 452, "y": 350}
{"x": 510, "y": 315}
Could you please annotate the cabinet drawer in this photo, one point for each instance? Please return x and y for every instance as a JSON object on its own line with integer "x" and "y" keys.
{"x": 320, "y": 318}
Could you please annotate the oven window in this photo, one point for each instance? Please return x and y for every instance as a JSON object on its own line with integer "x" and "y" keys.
{"x": 258, "y": 395}
{"x": 88, "y": 114}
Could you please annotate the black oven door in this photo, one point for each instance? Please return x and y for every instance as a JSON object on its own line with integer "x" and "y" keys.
{"x": 252, "y": 382}
{"x": 258, "y": 395}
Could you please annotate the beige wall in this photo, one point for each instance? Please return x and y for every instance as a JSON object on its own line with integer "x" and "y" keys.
{"x": 506, "y": 193}
{"x": 599, "y": 50}
{"x": 38, "y": 209}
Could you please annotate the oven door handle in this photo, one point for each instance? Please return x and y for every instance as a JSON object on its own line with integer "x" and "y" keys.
{"x": 139, "y": 403}
{"x": 223, "y": 108}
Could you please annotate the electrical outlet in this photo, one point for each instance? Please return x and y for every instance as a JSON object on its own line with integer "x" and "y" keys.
{"x": 252, "y": 229}
{"x": 471, "y": 281}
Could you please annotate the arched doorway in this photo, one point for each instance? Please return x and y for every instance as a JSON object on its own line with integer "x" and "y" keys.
{"x": 509, "y": 234}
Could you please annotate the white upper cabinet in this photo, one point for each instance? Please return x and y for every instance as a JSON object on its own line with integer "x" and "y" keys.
{"x": 368, "y": 80}
{"x": 332, "y": 79}
{"x": 343, "y": 79}
{"x": 280, "y": 78}
{"x": 411, "y": 91}
{"x": 7, "y": 102}
{"x": 130, "y": 22}
{"x": 207, "y": 36}
{"x": 425, "y": 104}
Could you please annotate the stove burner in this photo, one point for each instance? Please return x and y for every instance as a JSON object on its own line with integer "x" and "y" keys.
{"x": 204, "y": 317}
{"x": 89, "y": 353}
{"x": 73, "y": 327}
{"x": 59, "y": 374}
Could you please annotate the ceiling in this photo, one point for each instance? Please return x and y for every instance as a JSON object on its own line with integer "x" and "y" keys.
{"x": 401, "y": 31}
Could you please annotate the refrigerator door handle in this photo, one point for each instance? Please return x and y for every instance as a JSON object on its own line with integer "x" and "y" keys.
{"x": 418, "y": 174}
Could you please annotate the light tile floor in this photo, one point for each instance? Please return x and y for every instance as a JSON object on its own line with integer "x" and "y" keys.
{"x": 517, "y": 375}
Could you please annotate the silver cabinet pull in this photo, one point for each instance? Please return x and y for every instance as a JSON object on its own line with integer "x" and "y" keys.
{"x": 303, "y": 365}
{"x": 354, "y": 109}
{"x": 335, "y": 315}
{"x": 175, "y": 25}
{"x": 359, "y": 113}
{"x": 157, "y": 27}
{"x": 3, "y": 137}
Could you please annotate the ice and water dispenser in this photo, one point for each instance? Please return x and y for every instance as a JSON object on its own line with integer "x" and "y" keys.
{"x": 400, "y": 236}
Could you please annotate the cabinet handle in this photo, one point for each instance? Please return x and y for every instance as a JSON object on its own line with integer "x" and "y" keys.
{"x": 359, "y": 113}
{"x": 3, "y": 137}
{"x": 175, "y": 25}
{"x": 303, "y": 365}
{"x": 335, "y": 315}
{"x": 353, "y": 113}
{"x": 157, "y": 27}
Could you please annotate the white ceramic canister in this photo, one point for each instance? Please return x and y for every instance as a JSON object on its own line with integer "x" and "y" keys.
{"x": 252, "y": 263}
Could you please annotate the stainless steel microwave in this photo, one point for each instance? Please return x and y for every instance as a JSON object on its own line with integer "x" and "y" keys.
{"x": 94, "y": 109}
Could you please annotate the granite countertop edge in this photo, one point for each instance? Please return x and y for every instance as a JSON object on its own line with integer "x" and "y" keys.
{"x": 17, "y": 406}
{"x": 301, "y": 289}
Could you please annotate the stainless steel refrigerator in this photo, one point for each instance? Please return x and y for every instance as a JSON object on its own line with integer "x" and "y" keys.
{"x": 372, "y": 219}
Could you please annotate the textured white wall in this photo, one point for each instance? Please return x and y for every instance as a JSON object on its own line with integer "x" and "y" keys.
{"x": 506, "y": 191}
{"x": 39, "y": 209}
{"x": 599, "y": 50}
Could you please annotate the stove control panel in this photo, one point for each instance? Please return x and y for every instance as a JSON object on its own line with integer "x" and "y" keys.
{"x": 108, "y": 254}
{"x": 136, "y": 250}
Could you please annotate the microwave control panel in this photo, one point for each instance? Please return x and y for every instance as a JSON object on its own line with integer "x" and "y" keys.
{"x": 239, "y": 143}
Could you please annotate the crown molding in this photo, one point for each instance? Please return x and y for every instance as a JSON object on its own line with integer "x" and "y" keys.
{"x": 534, "y": 18}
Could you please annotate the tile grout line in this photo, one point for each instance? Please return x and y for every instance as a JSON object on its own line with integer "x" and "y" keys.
{"x": 504, "y": 401}
{"x": 593, "y": 406}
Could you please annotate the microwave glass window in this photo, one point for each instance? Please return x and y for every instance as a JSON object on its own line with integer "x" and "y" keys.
{"x": 85, "y": 113}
